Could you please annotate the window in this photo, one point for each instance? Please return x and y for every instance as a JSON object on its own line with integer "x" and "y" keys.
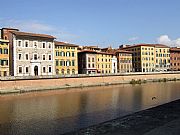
{"x": 61, "y": 63}
{"x": 50, "y": 69}
{"x": 44, "y": 57}
{"x": 27, "y": 56}
{"x": 68, "y": 63}
{"x": 20, "y": 56}
{"x": 73, "y": 54}
{"x": 68, "y": 54}
{"x": 49, "y": 45}
{"x": 57, "y": 62}
{"x": 5, "y": 73}
{"x": 92, "y": 59}
{"x": 62, "y": 71}
{"x": 89, "y": 60}
{"x": 19, "y": 43}
{"x": 5, "y": 37}
{"x": 68, "y": 71}
{"x": 50, "y": 58}
{"x": 89, "y": 65}
{"x": 43, "y": 45}
{"x": 73, "y": 63}
{"x": 93, "y": 65}
{"x": 57, "y": 53}
{"x": 20, "y": 70}
{"x": 26, "y": 44}
{"x": 35, "y": 57}
{"x": 0, "y": 50}
{"x": 27, "y": 69}
{"x": 35, "y": 44}
{"x": 73, "y": 71}
{"x": 44, "y": 69}
{"x": 5, "y": 51}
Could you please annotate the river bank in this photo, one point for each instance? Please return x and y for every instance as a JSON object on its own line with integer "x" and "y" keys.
{"x": 160, "y": 120}
{"x": 29, "y": 84}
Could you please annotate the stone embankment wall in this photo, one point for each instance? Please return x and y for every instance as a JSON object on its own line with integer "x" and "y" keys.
{"x": 21, "y": 84}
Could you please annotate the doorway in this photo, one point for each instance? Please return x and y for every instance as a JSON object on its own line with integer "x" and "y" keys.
{"x": 36, "y": 70}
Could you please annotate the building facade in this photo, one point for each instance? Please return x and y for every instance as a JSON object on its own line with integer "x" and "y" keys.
{"x": 114, "y": 62}
{"x": 87, "y": 62}
{"x": 162, "y": 58}
{"x": 31, "y": 54}
{"x": 66, "y": 58}
{"x": 106, "y": 63}
{"x": 149, "y": 57}
{"x": 175, "y": 59}
{"x": 124, "y": 61}
{"x": 4, "y": 57}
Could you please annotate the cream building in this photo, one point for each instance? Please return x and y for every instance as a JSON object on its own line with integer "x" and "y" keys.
{"x": 30, "y": 54}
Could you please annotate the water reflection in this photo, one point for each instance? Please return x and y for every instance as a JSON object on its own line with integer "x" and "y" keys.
{"x": 57, "y": 112}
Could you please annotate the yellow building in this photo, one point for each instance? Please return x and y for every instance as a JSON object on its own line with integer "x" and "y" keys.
{"x": 162, "y": 58}
{"x": 66, "y": 58}
{"x": 145, "y": 57}
{"x": 4, "y": 57}
{"x": 104, "y": 62}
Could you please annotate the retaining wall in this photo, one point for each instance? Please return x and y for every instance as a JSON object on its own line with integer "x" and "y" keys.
{"x": 20, "y": 84}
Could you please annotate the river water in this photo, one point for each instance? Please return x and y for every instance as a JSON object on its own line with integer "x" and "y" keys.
{"x": 58, "y": 112}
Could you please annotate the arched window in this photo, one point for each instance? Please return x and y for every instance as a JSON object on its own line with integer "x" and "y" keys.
{"x": 57, "y": 71}
{"x": 68, "y": 54}
{"x": 5, "y": 37}
{"x": 62, "y": 71}
{"x": 73, "y": 71}
{"x": 68, "y": 71}
{"x": 62, "y": 54}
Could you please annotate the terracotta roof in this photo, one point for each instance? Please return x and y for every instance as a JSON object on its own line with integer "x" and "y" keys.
{"x": 175, "y": 49}
{"x": 11, "y": 29}
{"x": 150, "y": 45}
{"x": 18, "y": 33}
{"x": 87, "y": 51}
{"x": 94, "y": 47}
{"x": 64, "y": 44}
{"x": 108, "y": 53}
{"x": 123, "y": 51}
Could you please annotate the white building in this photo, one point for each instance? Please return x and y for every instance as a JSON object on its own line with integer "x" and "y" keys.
{"x": 31, "y": 54}
{"x": 114, "y": 64}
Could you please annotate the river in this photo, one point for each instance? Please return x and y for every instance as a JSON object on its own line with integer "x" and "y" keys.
{"x": 60, "y": 111}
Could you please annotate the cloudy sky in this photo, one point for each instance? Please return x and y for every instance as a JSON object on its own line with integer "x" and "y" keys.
{"x": 97, "y": 22}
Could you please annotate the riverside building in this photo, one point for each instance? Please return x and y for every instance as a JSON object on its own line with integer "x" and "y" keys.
{"x": 106, "y": 63}
{"x": 175, "y": 59}
{"x": 4, "y": 57}
{"x": 30, "y": 54}
{"x": 149, "y": 57}
{"x": 66, "y": 58}
{"x": 87, "y": 62}
{"x": 124, "y": 61}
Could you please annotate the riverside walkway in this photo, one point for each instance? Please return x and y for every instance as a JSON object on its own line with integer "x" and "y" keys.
{"x": 160, "y": 120}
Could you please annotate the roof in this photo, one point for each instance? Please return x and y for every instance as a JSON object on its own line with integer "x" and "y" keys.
{"x": 19, "y": 33}
{"x": 64, "y": 44}
{"x": 123, "y": 51}
{"x": 11, "y": 29}
{"x": 108, "y": 53}
{"x": 87, "y": 51}
{"x": 175, "y": 49}
{"x": 150, "y": 45}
